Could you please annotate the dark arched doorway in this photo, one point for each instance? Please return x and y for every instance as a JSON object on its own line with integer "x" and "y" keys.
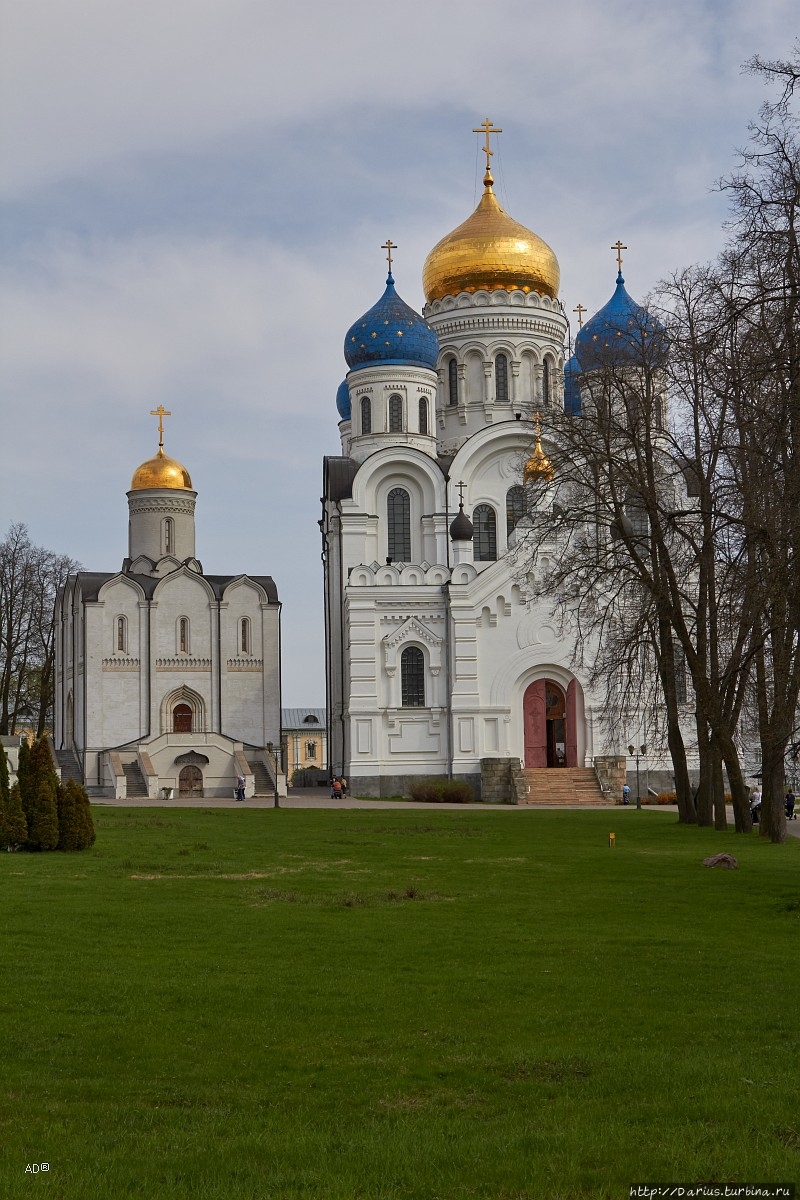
{"x": 550, "y": 720}
{"x": 181, "y": 719}
{"x": 190, "y": 781}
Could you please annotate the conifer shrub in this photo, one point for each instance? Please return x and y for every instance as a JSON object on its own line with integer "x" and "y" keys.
{"x": 14, "y": 830}
{"x": 75, "y": 825}
{"x": 43, "y": 827}
{"x": 23, "y": 775}
{"x": 442, "y": 791}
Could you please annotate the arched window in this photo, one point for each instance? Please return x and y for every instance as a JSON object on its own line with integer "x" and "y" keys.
{"x": 398, "y": 514}
{"x": 423, "y": 415}
{"x": 546, "y": 381}
{"x": 515, "y": 507}
{"x": 501, "y": 379}
{"x": 169, "y": 535}
{"x": 636, "y": 512}
{"x": 122, "y": 635}
{"x": 485, "y": 540}
{"x": 412, "y": 677}
{"x": 452, "y": 382}
{"x": 395, "y": 414}
{"x": 244, "y": 635}
{"x": 183, "y": 635}
{"x": 366, "y": 415}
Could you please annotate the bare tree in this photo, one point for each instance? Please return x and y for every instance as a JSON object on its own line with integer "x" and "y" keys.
{"x": 30, "y": 578}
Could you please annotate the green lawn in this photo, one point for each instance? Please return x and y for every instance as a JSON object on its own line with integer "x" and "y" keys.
{"x": 391, "y": 1004}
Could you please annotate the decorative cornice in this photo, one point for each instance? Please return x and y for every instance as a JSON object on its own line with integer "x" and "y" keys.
{"x": 120, "y": 664}
{"x": 245, "y": 664}
{"x": 549, "y": 326}
{"x": 181, "y": 663}
{"x": 180, "y": 504}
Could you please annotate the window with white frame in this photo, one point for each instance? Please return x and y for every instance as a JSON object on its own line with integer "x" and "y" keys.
{"x": 398, "y": 516}
{"x": 395, "y": 414}
{"x": 412, "y": 677}
{"x": 501, "y": 379}
{"x": 484, "y": 523}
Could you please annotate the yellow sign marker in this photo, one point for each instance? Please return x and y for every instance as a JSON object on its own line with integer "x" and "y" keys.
{"x": 612, "y": 839}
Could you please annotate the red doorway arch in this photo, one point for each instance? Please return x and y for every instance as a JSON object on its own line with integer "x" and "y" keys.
{"x": 550, "y": 724}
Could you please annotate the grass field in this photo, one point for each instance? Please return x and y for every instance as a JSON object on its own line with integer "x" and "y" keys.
{"x": 374, "y": 1005}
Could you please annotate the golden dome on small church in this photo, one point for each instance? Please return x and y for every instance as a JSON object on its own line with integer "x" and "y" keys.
{"x": 488, "y": 252}
{"x": 160, "y": 471}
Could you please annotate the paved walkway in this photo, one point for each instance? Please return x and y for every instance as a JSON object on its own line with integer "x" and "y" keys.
{"x": 319, "y": 798}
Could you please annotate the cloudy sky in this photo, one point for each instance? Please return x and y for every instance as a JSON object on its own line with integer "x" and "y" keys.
{"x": 194, "y": 197}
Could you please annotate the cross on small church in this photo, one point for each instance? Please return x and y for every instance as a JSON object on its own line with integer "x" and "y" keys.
{"x": 460, "y": 486}
{"x": 618, "y": 246}
{"x": 389, "y": 246}
{"x": 580, "y": 310}
{"x": 487, "y": 127}
{"x": 160, "y": 412}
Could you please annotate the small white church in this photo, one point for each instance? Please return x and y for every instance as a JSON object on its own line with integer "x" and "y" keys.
{"x": 168, "y": 679}
{"x": 438, "y": 663}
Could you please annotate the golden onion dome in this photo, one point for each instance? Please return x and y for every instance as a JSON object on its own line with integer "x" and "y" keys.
{"x": 538, "y": 467}
{"x": 488, "y": 252}
{"x": 160, "y": 471}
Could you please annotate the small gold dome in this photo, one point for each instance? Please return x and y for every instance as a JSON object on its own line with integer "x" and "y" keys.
{"x": 538, "y": 467}
{"x": 488, "y": 252}
{"x": 160, "y": 472}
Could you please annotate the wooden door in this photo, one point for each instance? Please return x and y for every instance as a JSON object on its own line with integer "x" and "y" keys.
{"x": 181, "y": 719}
{"x": 534, "y": 711}
{"x": 572, "y": 723}
{"x": 190, "y": 781}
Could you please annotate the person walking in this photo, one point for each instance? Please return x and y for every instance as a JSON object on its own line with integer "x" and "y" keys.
{"x": 336, "y": 788}
{"x": 626, "y": 794}
{"x": 240, "y": 787}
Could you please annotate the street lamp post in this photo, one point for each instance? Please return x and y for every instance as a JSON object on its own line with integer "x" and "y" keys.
{"x": 637, "y": 753}
{"x": 272, "y": 751}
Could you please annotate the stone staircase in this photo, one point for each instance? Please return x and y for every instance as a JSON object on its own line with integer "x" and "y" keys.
{"x": 553, "y": 786}
{"x": 70, "y": 765}
{"x": 137, "y": 789}
{"x": 263, "y": 783}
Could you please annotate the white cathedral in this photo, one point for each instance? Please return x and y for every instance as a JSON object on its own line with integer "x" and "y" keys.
{"x": 167, "y": 679}
{"x": 437, "y": 663}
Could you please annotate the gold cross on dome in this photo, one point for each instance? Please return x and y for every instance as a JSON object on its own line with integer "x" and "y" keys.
{"x": 487, "y": 127}
{"x": 537, "y": 417}
{"x": 618, "y": 246}
{"x": 580, "y": 310}
{"x": 389, "y": 246}
{"x": 160, "y": 412}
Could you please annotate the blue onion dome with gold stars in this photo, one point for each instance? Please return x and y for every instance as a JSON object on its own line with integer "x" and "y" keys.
{"x": 621, "y": 332}
{"x": 343, "y": 400}
{"x": 572, "y": 391}
{"x": 390, "y": 334}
